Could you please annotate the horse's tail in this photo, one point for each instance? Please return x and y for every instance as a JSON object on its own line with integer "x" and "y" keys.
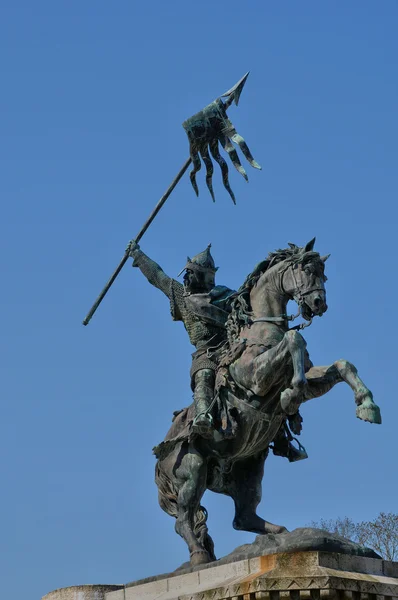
{"x": 201, "y": 531}
{"x": 167, "y": 491}
{"x": 168, "y": 496}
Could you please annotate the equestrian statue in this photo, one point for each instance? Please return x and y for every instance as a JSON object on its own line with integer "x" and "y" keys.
{"x": 250, "y": 373}
{"x": 250, "y": 370}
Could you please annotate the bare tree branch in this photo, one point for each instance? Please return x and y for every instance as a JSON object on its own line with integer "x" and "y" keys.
{"x": 381, "y": 534}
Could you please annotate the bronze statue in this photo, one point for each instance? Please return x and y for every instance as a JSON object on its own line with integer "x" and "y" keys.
{"x": 250, "y": 372}
{"x": 258, "y": 375}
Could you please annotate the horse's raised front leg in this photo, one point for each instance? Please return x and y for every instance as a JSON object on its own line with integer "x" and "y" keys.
{"x": 259, "y": 373}
{"x": 322, "y": 379}
{"x": 191, "y": 520}
{"x": 293, "y": 396}
{"x": 243, "y": 485}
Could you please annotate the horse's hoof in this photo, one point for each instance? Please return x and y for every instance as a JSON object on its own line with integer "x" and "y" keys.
{"x": 369, "y": 411}
{"x": 282, "y": 530}
{"x": 289, "y": 401}
{"x": 200, "y": 557}
{"x": 274, "y": 530}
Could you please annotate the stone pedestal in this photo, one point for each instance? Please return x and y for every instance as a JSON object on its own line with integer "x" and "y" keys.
{"x": 284, "y": 576}
{"x": 83, "y": 592}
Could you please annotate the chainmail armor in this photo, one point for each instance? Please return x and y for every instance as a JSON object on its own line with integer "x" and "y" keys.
{"x": 202, "y": 335}
{"x": 155, "y": 274}
{"x": 199, "y": 332}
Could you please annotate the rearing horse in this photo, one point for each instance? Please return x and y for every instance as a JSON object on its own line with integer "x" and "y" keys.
{"x": 267, "y": 377}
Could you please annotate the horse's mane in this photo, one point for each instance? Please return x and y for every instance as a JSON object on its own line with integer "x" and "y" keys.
{"x": 272, "y": 259}
{"x": 241, "y": 312}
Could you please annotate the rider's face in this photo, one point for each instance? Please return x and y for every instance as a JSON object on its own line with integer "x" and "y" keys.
{"x": 198, "y": 282}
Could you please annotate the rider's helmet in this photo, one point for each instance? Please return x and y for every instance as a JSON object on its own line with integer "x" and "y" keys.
{"x": 201, "y": 270}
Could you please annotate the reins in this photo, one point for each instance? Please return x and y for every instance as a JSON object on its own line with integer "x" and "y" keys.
{"x": 299, "y": 298}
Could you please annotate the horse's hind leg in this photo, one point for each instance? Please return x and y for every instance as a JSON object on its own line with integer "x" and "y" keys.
{"x": 191, "y": 475}
{"x": 243, "y": 484}
{"x": 322, "y": 379}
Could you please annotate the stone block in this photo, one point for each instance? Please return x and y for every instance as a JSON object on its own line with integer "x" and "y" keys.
{"x": 86, "y": 592}
{"x": 311, "y": 575}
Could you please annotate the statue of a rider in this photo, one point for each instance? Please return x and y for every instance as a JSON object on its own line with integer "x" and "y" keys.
{"x": 203, "y": 307}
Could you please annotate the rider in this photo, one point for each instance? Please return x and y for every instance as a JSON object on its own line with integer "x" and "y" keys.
{"x": 203, "y": 308}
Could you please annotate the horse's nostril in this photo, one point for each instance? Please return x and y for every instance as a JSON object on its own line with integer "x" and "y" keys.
{"x": 317, "y": 302}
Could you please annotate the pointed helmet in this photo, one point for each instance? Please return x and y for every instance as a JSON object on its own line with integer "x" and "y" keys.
{"x": 203, "y": 262}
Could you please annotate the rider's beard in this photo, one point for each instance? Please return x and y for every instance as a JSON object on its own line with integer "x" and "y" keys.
{"x": 195, "y": 283}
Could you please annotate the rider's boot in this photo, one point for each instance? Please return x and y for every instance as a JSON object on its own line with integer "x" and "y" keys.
{"x": 203, "y": 397}
{"x": 283, "y": 446}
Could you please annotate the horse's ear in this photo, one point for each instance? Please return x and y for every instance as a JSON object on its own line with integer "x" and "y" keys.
{"x": 309, "y": 247}
{"x": 292, "y": 246}
{"x": 324, "y": 258}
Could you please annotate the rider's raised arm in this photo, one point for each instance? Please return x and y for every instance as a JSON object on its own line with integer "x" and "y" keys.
{"x": 152, "y": 271}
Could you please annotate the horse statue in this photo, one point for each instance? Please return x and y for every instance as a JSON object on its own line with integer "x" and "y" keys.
{"x": 264, "y": 375}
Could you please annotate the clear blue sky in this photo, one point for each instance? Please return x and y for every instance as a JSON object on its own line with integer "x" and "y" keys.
{"x": 92, "y": 101}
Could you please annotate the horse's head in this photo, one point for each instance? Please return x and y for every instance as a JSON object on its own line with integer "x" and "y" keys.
{"x": 303, "y": 280}
{"x": 288, "y": 274}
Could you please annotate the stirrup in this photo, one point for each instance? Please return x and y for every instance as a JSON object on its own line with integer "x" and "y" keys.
{"x": 295, "y": 454}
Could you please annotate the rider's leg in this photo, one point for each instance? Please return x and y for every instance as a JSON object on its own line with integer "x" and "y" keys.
{"x": 244, "y": 487}
{"x": 203, "y": 396}
{"x": 322, "y": 379}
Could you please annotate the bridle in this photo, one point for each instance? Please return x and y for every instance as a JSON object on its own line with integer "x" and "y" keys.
{"x": 299, "y": 298}
{"x": 299, "y": 285}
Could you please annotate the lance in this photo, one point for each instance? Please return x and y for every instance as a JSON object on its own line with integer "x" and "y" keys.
{"x": 206, "y": 130}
